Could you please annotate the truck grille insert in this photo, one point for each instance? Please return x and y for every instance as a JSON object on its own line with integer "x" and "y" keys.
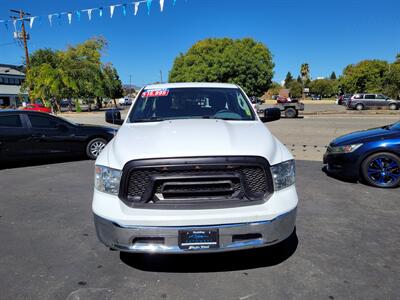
{"x": 196, "y": 182}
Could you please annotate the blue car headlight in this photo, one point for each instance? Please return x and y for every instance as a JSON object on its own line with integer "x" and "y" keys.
{"x": 345, "y": 148}
{"x": 107, "y": 180}
{"x": 283, "y": 174}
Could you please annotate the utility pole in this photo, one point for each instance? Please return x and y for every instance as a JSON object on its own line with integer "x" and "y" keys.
{"x": 24, "y": 37}
{"x": 22, "y": 14}
{"x": 161, "y": 76}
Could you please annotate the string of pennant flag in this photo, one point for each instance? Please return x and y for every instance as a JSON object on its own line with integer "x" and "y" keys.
{"x": 89, "y": 12}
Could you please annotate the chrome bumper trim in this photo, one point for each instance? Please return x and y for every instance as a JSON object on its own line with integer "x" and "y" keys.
{"x": 122, "y": 238}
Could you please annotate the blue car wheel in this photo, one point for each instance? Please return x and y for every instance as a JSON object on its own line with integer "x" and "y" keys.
{"x": 382, "y": 170}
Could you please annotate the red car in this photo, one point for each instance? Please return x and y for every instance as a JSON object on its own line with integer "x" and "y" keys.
{"x": 38, "y": 107}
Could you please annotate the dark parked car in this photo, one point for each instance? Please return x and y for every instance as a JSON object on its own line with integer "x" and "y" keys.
{"x": 371, "y": 155}
{"x": 27, "y": 134}
{"x": 363, "y": 101}
{"x": 315, "y": 97}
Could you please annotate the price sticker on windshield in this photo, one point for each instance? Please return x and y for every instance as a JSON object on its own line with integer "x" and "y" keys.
{"x": 155, "y": 93}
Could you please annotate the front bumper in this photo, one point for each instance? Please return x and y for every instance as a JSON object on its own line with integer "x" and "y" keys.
{"x": 231, "y": 236}
{"x": 345, "y": 165}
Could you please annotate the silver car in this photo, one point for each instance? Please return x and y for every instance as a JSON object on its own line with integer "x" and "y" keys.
{"x": 364, "y": 101}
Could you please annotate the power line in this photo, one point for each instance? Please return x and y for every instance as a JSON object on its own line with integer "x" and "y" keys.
{"x": 7, "y": 44}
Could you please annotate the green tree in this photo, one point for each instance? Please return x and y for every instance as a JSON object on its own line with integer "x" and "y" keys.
{"x": 81, "y": 69}
{"x": 392, "y": 81}
{"x": 44, "y": 56}
{"x": 44, "y": 81}
{"x": 299, "y": 79}
{"x": 365, "y": 77}
{"x": 242, "y": 61}
{"x": 324, "y": 87}
{"x": 333, "y": 76}
{"x": 112, "y": 85}
{"x": 296, "y": 89}
{"x": 74, "y": 73}
{"x": 44, "y": 61}
{"x": 397, "y": 59}
{"x": 288, "y": 79}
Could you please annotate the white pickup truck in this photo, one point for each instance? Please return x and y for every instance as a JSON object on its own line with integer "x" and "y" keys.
{"x": 193, "y": 169}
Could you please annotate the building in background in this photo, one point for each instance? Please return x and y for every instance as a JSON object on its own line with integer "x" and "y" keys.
{"x": 284, "y": 93}
{"x": 11, "y": 79}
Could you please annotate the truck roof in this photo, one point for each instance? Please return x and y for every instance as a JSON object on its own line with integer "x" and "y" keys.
{"x": 191, "y": 85}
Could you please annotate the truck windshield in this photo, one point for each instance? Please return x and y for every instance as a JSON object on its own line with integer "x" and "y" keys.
{"x": 155, "y": 105}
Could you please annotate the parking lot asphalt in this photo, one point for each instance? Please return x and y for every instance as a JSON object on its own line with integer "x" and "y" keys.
{"x": 305, "y": 137}
{"x": 346, "y": 246}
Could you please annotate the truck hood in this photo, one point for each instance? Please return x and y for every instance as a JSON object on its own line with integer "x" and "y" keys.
{"x": 192, "y": 138}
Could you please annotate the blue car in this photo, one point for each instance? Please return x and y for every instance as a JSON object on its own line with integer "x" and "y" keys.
{"x": 372, "y": 156}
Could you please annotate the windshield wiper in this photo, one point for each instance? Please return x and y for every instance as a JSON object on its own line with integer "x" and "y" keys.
{"x": 152, "y": 119}
{"x": 222, "y": 118}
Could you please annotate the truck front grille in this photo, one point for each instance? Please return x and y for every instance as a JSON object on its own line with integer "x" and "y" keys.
{"x": 196, "y": 182}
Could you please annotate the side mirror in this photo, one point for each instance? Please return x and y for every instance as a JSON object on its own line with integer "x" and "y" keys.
{"x": 113, "y": 116}
{"x": 271, "y": 114}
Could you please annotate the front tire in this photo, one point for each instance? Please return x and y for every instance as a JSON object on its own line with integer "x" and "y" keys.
{"x": 381, "y": 170}
{"x": 94, "y": 147}
{"x": 392, "y": 106}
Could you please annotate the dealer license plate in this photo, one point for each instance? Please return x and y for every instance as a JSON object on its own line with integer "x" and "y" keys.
{"x": 202, "y": 239}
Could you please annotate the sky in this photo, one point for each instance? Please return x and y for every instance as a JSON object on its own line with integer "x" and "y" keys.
{"x": 326, "y": 34}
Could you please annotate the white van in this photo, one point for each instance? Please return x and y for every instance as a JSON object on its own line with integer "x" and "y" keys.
{"x": 125, "y": 101}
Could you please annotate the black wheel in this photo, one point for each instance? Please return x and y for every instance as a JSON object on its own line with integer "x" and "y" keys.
{"x": 290, "y": 113}
{"x": 94, "y": 147}
{"x": 381, "y": 170}
{"x": 359, "y": 106}
{"x": 393, "y": 106}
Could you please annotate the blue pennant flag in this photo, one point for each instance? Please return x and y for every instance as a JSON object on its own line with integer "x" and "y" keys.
{"x": 70, "y": 15}
{"x": 149, "y": 6}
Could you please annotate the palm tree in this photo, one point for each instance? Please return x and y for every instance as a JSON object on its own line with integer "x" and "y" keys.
{"x": 305, "y": 75}
{"x": 305, "y": 71}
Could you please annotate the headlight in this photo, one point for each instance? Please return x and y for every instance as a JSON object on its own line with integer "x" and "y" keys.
{"x": 283, "y": 174}
{"x": 345, "y": 149}
{"x": 107, "y": 180}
